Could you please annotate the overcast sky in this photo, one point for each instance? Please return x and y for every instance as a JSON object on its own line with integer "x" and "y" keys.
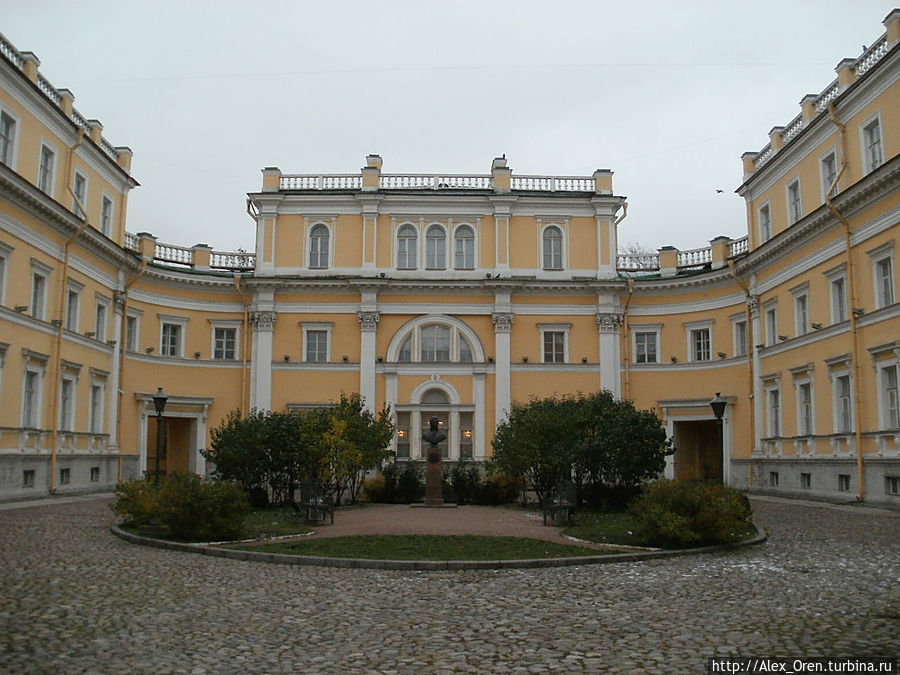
{"x": 666, "y": 94}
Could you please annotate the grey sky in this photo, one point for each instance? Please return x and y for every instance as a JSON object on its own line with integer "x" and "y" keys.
{"x": 668, "y": 95}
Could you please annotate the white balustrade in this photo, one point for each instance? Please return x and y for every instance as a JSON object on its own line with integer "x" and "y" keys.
{"x": 871, "y": 56}
{"x": 740, "y": 246}
{"x": 232, "y": 260}
{"x": 637, "y": 261}
{"x": 173, "y": 254}
{"x": 48, "y": 89}
{"x": 10, "y": 52}
{"x": 131, "y": 242}
{"x": 695, "y": 257}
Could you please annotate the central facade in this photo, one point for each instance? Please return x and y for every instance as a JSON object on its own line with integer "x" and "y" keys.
{"x": 406, "y": 288}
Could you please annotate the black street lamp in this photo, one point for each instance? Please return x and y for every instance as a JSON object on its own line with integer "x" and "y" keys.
{"x": 159, "y": 402}
{"x": 718, "y": 407}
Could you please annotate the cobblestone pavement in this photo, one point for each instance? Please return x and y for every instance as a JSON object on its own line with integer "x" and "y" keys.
{"x": 73, "y": 598}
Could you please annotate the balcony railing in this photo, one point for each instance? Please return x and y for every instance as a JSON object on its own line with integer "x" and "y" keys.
{"x": 442, "y": 181}
{"x": 697, "y": 258}
{"x": 182, "y": 256}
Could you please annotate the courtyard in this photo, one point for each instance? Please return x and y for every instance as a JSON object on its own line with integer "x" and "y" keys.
{"x": 77, "y": 599}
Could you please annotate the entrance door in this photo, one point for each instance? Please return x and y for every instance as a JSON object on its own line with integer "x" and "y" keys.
{"x": 176, "y": 454}
{"x": 697, "y": 454}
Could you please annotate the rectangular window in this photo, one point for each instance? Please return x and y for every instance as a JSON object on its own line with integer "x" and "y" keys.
{"x": 316, "y": 346}
{"x": 805, "y": 409}
{"x": 106, "y": 216}
{"x": 872, "y": 145}
{"x": 72, "y": 299}
{"x": 806, "y": 481}
{"x": 645, "y": 347}
{"x": 701, "y": 344}
{"x": 225, "y": 339}
{"x": 100, "y": 323}
{"x": 889, "y": 396}
{"x": 171, "y": 340}
{"x": 740, "y": 338}
{"x": 30, "y": 399}
{"x": 38, "y": 290}
{"x": 844, "y": 482}
{"x": 66, "y": 404}
{"x": 7, "y": 138}
{"x": 65, "y": 476}
{"x": 892, "y": 485}
{"x": 795, "y": 208}
{"x": 774, "y": 412}
{"x": 844, "y": 413}
{"x": 28, "y": 478}
{"x": 466, "y": 434}
{"x": 554, "y": 346}
{"x": 95, "y": 474}
{"x": 402, "y": 435}
{"x": 884, "y": 282}
{"x": 773, "y": 479}
{"x": 771, "y": 326}
{"x": 838, "y": 300}
{"x": 131, "y": 324}
{"x": 829, "y": 171}
{"x": 801, "y": 313}
{"x": 79, "y": 187}
{"x": 435, "y": 343}
{"x": 96, "y": 422}
{"x": 45, "y": 170}
{"x": 765, "y": 224}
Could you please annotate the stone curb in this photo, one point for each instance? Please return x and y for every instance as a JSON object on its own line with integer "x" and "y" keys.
{"x": 428, "y": 565}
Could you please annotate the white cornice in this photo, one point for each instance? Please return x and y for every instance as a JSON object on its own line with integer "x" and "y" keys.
{"x": 169, "y": 301}
{"x": 173, "y": 361}
{"x": 688, "y": 307}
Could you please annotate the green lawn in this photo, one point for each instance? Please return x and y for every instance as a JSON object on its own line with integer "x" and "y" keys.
{"x": 604, "y": 528}
{"x": 259, "y": 524}
{"x": 425, "y": 547}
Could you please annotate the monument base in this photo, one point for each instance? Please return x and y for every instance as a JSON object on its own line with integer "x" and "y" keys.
{"x": 434, "y": 490}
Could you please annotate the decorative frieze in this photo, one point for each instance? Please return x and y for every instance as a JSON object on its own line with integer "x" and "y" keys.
{"x": 263, "y": 320}
{"x": 368, "y": 321}
{"x": 609, "y": 322}
{"x": 502, "y": 321}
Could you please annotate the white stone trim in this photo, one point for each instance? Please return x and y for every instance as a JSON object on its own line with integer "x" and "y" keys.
{"x": 237, "y": 325}
{"x": 306, "y": 327}
{"x": 181, "y": 321}
{"x": 866, "y": 162}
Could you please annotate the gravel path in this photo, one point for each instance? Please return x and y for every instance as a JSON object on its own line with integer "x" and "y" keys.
{"x": 74, "y": 598}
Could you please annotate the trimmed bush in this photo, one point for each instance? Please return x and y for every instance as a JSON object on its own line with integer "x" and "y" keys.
{"x": 136, "y": 501}
{"x": 197, "y": 509}
{"x": 497, "y": 488}
{"x": 678, "y": 514}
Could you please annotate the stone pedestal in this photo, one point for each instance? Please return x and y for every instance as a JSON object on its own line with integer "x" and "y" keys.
{"x": 434, "y": 494}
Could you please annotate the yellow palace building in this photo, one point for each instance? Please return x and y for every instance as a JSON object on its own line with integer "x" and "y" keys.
{"x": 454, "y": 296}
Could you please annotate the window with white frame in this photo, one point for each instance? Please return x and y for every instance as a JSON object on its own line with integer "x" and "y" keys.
{"x": 5, "y": 252}
{"x": 79, "y": 187}
{"x": 801, "y": 310}
{"x": 106, "y": 215}
{"x": 316, "y": 342}
{"x": 554, "y": 343}
{"x": 700, "y": 341}
{"x": 883, "y": 274}
{"x": 773, "y": 410}
{"x": 837, "y": 283}
{"x": 828, "y": 170}
{"x": 435, "y": 248}
{"x": 46, "y": 167}
{"x": 739, "y": 334}
{"x": 805, "y": 425}
{"x": 873, "y": 155}
{"x": 132, "y": 330}
{"x": 31, "y": 397}
{"x": 7, "y": 138}
{"x": 464, "y": 248}
{"x": 40, "y": 275}
{"x": 843, "y": 403}
{"x": 403, "y": 431}
{"x": 225, "y": 343}
{"x": 552, "y": 248}
{"x": 646, "y": 344}
{"x": 101, "y": 320}
{"x": 319, "y": 246}
{"x": 73, "y": 303}
{"x": 407, "y": 243}
{"x": 172, "y": 334}
{"x": 794, "y": 204}
{"x": 771, "y": 315}
{"x": 765, "y": 223}
{"x": 66, "y": 403}
{"x": 435, "y": 342}
{"x": 890, "y": 403}
{"x": 98, "y": 391}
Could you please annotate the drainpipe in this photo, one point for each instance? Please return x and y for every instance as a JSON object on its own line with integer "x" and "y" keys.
{"x": 244, "y": 336}
{"x": 627, "y": 340}
{"x": 851, "y": 292}
{"x": 750, "y": 379}
{"x": 122, "y": 347}
{"x": 60, "y": 308}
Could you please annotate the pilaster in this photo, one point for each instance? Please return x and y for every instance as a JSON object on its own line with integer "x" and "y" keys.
{"x": 263, "y": 323}
{"x": 502, "y": 326}
{"x": 609, "y": 325}
{"x": 368, "y": 326}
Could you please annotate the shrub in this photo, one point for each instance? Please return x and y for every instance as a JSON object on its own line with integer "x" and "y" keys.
{"x": 374, "y": 488}
{"x": 497, "y": 488}
{"x": 197, "y": 509}
{"x": 690, "y": 513}
{"x": 398, "y": 483}
{"x": 136, "y": 501}
{"x": 410, "y": 483}
{"x": 463, "y": 480}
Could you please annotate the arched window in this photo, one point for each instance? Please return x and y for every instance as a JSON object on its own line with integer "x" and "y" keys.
{"x": 435, "y": 248}
{"x": 406, "y": 248}
{"x": 553, "y": 241}
{"x": 405, "y": 353}
{"x": 464, "y": 248}
{"x": 465, "y": 350}
{"x": 435, "y": 343}
{"x": 318, "y": 247}
{"x": 435, "y": 397}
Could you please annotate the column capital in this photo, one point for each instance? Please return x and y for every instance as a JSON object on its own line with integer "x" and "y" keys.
{"x": 119, "y": 300}
{"x": 608, "y": 322}
{"x": 368, "y": 321}
{"x": 753, "y": 305}
{"x": 502, "y": 321}
{"x": 263, "y": 320}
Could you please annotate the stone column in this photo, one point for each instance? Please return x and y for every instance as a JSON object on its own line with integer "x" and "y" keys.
{"x": 115, "y": 377}
{"x": 608, "y": 329}
{"x": 502, "y": 325}
{"x": 263, "y": 323}
{"x": 755, "y": 332}
{"x": 368, "y": 325}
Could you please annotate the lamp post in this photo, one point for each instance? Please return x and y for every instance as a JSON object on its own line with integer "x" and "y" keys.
{"x": 159, "y": 402}
{"x": 718, "y": 407}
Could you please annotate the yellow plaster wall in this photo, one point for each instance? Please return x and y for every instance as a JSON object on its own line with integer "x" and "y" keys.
{"x": 348, "y": 241}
